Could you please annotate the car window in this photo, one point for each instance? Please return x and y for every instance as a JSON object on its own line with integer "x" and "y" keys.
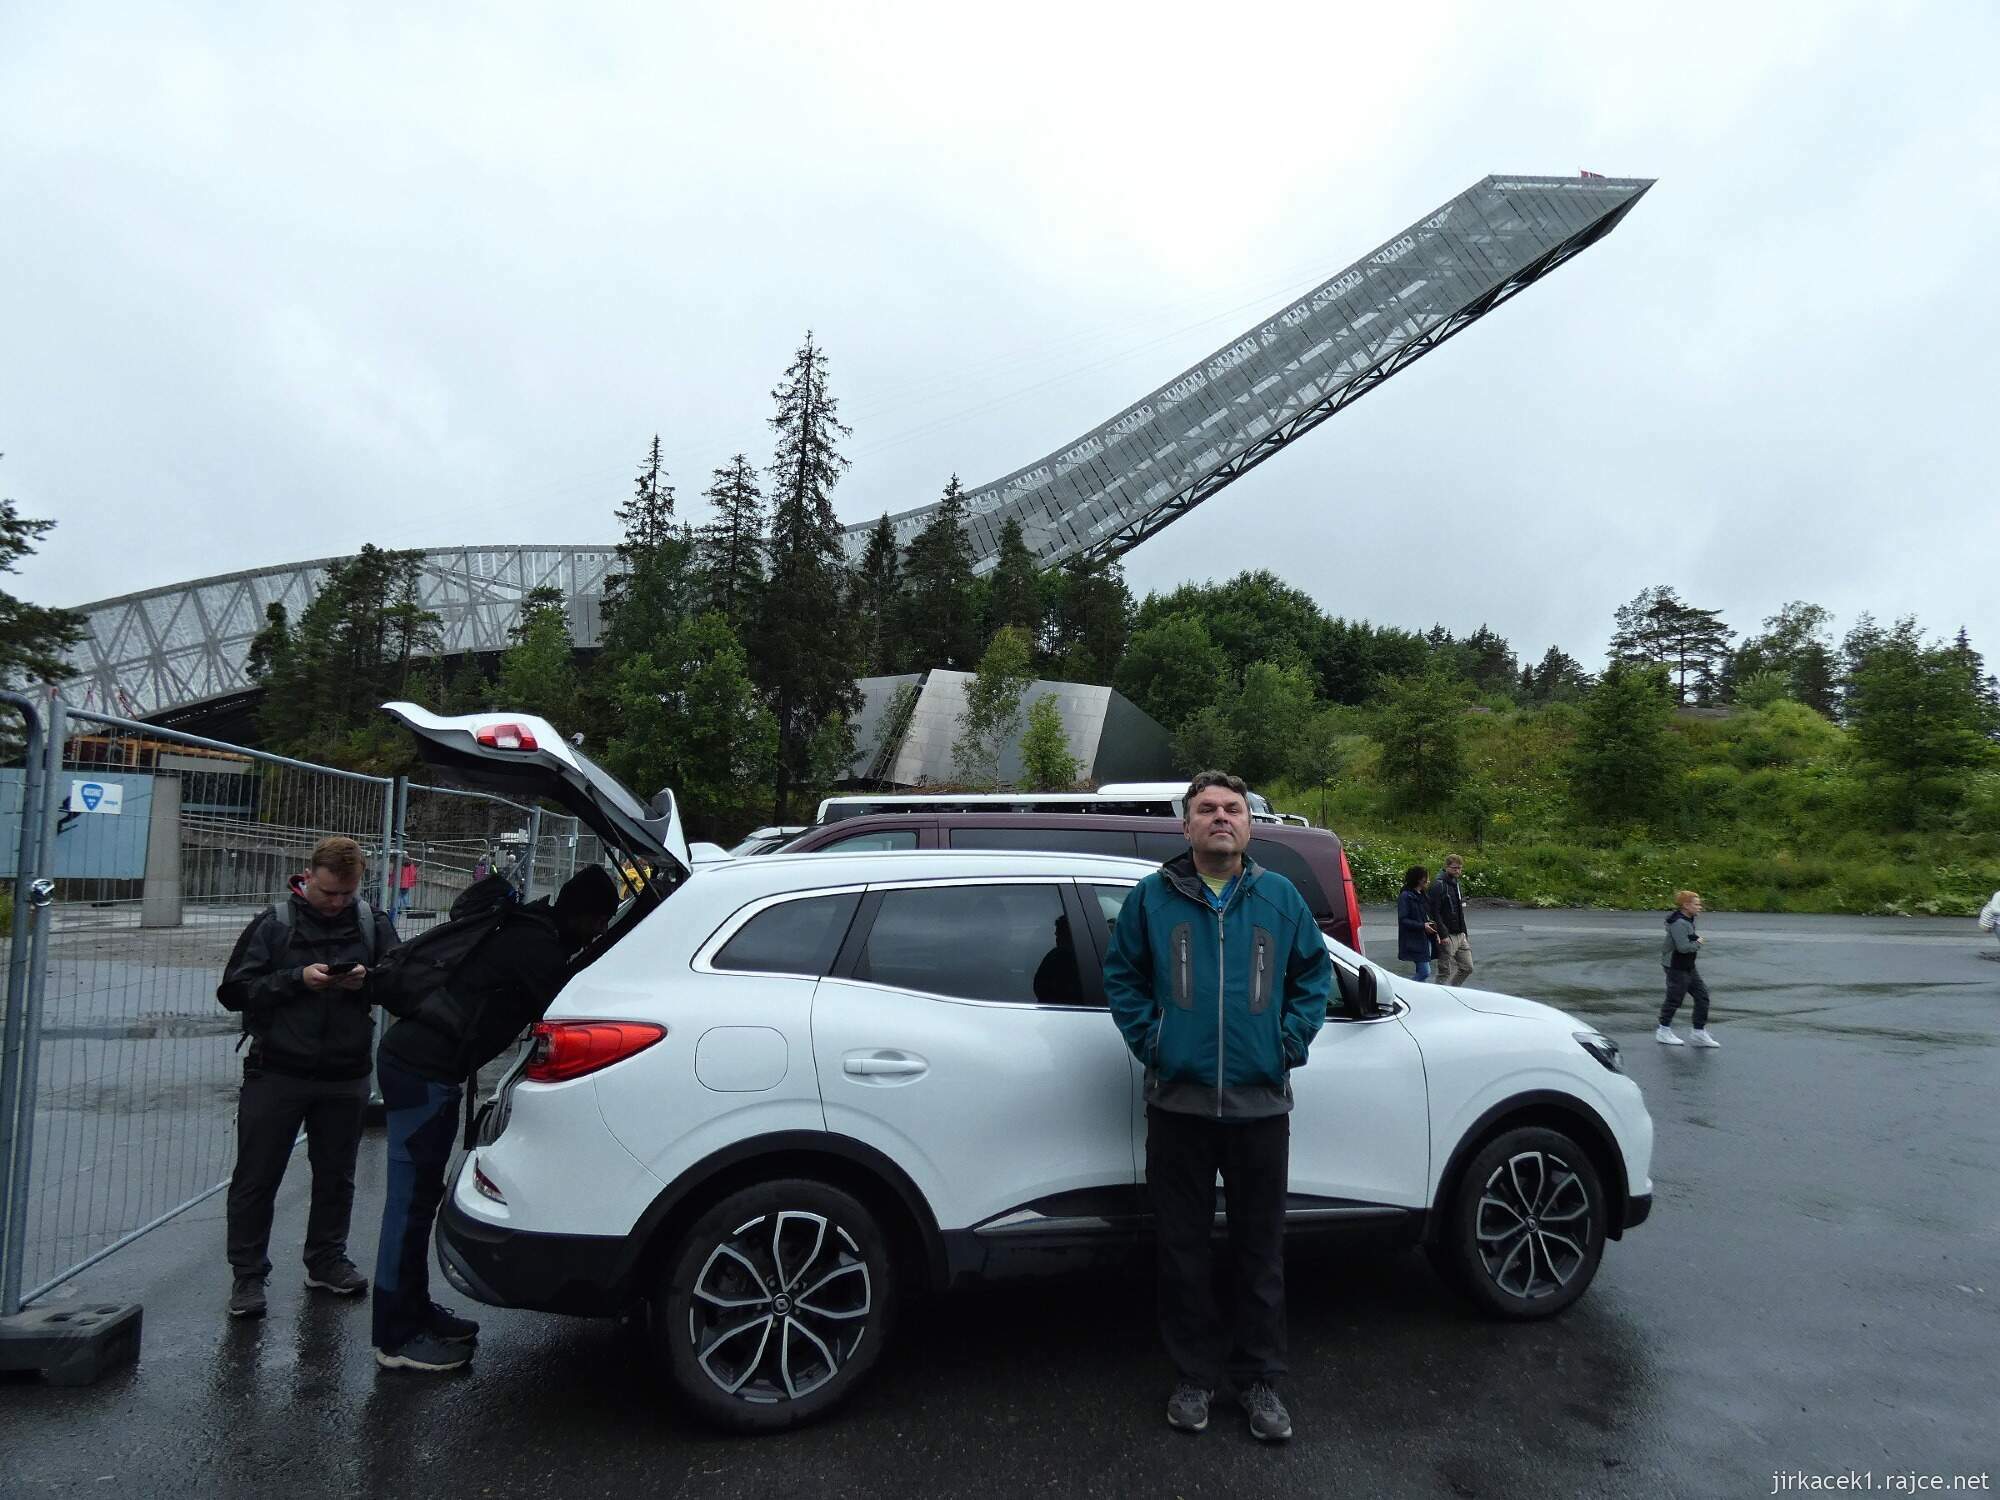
{"x": 1162, "y": 846}
{"x": 883, "y": 838}
{"x": 1110, "y": 901}
{"x": 1291, "y": 864}
{"x": 975, "y": 942}
{"x": 1058, "y": 840}
{"x": 793, "y": 937}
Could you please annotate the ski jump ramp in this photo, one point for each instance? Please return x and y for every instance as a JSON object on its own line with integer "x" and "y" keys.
{"x": 1103, "y": 494}
{"x": 174, "y": 648}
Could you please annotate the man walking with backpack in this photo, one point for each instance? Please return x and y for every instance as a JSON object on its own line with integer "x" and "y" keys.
{"x": 465, "y": 991}
{"x": 297, "y": 976}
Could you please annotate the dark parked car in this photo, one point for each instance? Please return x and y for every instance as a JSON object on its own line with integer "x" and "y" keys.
{"x": 1311, "y": 858}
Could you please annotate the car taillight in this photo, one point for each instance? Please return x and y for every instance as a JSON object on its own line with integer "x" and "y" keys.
{"x": 506, "y": 737}
{"x": 558, "y": 1050}
{"x": 1353, "y": 903}
{"x": 483, "y": 1185}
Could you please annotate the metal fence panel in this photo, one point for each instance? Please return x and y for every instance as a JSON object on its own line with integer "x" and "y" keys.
{"x": 166, "y": 847}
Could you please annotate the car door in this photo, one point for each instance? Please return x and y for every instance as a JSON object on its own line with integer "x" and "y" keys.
{"x": 1360, "y": 1108}
{"x": 956, "y": 1036}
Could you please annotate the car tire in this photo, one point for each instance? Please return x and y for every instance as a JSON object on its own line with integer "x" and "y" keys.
{"x": 1524, "y": 1232}
{"x": 775, "y": 1304}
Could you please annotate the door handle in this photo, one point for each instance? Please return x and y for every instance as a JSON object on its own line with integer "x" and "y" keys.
{"x": 873, "y": 1066}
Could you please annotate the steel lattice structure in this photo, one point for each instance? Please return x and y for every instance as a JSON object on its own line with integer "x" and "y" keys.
{"x": 1093, "y": 500}
{"x": 150, "y": 653}
{"x": 1155, "y": 461}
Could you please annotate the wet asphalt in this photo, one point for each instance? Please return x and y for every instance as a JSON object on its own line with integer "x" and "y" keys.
{"x": 1817, "y": 1293}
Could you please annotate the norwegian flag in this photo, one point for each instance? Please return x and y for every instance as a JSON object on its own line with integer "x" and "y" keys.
{"x": 1598, "y": 175}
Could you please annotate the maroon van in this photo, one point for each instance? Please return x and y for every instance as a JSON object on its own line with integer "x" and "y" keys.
{"x": 1313, "y": 859}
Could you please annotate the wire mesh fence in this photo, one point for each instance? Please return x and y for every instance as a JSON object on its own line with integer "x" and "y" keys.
{"x": 122, "y": 1069}
{"x": 165, "y": 849}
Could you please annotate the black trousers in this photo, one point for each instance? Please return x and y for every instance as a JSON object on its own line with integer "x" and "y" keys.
{"x": 269, "y": 1112}
{"x": 1682, "y": 982}
{"x": 1183, "y": 1155}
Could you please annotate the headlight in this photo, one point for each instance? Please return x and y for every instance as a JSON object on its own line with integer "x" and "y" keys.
{"x": 1599, "y": 1046}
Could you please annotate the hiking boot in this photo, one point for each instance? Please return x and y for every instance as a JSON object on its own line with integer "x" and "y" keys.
{"x": 246, "y": 1297}
{"x": 1269, "y": 1421}
{"x": 1187, "y": 1408}
{"x": 338, "y": 1277}
{"x": 448, "y": 1327}
{"x": 425, "y": 1352}
{"x": 1666, "y": 1038}
{"x": 1699, "y": 1037}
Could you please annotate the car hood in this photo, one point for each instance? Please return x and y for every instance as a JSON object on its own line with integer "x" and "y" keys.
{"x": 1493, "y": 1003}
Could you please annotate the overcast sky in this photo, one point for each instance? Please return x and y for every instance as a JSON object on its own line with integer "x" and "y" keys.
{"x": 279, "y": 280}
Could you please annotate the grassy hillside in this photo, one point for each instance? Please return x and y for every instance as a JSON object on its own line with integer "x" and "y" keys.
{"x": 1768, "y": 813}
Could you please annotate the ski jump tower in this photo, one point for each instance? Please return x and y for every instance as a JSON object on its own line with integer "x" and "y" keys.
{"x": 1155, "y": 461}
{"x": 184, "y": 646}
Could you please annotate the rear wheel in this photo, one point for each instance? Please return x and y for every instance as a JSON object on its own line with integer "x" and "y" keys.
{"x": 775, "y": 1304}
{"x": 1525, "y": 1229}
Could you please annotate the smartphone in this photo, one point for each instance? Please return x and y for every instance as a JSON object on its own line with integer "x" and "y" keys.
{"x": 346, "y": 968}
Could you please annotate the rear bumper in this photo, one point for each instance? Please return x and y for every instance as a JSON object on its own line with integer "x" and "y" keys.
{"x": 582, "y": 1274}
{"x": 1638, "y": 1208}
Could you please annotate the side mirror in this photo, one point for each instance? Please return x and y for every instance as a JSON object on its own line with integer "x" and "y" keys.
{"x": 1359, "y": 997}
{"x": 1369, "y": 1004}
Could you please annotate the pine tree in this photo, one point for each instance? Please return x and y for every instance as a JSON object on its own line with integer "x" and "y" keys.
{"x": 940, "y": 623}
{"x": 877, "y": 596}
{"x": 270, "y": 646}
{"x": 1658, "y": 627}
{"x": 805, "y": 659}
{"x": 730, "y": 549}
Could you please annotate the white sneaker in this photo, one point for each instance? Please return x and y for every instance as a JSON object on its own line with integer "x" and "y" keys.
{"x": 1700, "y": 1038}
{"x": 1665, "y": 1037}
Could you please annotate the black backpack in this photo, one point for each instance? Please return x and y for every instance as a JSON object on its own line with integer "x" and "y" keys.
{"x": 411, "y": 981}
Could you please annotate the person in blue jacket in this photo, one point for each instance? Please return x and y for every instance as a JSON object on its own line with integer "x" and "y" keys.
{"x": 1218, "y": 978}
{"x": 1416, "y": 933}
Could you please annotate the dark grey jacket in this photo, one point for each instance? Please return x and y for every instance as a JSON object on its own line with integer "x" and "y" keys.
{"x": 1679, "y": 949}
{"x": 327, "y": 1034}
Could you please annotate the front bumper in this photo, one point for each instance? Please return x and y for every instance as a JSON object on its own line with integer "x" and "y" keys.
{"x": 583, "y": 1274}
{"x": 1638, "y": 1208}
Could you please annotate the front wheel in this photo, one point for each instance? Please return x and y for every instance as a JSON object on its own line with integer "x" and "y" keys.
{"x": 1525, "y": 1229}
{"x": 775, "y": 1304}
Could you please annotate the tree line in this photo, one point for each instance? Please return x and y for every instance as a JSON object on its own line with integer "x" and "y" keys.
{"x": 729, "y": 650}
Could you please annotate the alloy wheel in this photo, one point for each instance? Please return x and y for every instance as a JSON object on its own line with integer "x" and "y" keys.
{"x": 1533, "y": 1225}
{"x": 780, "y": 1305}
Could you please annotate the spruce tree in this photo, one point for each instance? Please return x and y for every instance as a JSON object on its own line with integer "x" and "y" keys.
{"x": 1014, "y": 595}
{"x": 647, "y": 594}
{"x": 730, "y": 549}
{"x": 805, "y": 659}
{"x": 940, "y": 622}
{"x": 877, "y": 598}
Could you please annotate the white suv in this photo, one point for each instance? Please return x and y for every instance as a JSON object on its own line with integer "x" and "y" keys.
{"x": 819, "y": 1083}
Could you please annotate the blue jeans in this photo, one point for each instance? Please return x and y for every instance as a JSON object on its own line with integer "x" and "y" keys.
{"x": 422, "y": 1118}
{"x": 1422, "y": 972}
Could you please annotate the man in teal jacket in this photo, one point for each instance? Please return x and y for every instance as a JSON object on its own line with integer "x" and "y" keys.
{"x": 1218, "y": 978}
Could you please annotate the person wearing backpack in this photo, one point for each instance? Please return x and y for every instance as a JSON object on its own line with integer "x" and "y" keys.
{"x": 297, "y": 976}
{"x": 464, "y": 991}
